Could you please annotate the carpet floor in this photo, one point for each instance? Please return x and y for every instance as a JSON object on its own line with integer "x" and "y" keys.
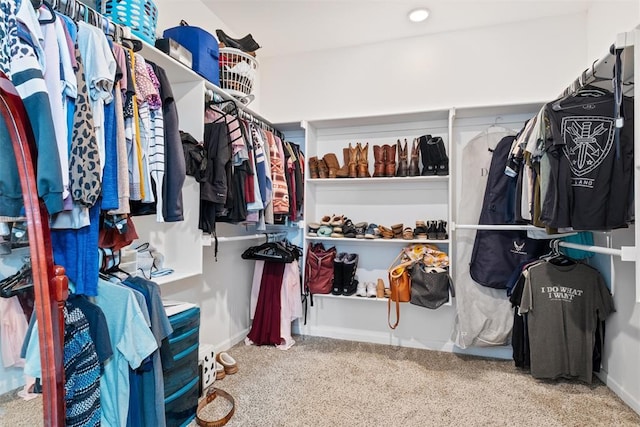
{"x": 325, "y": 382}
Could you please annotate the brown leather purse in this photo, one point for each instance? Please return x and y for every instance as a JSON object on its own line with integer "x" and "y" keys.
{"x": 400, "y": 286}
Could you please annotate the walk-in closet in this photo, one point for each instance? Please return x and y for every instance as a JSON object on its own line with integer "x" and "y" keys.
{"x": 352, "y": 213}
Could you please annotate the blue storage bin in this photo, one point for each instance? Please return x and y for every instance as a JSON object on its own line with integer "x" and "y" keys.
{"x": 139, "y": 15}
{"x": 203, "y": 47}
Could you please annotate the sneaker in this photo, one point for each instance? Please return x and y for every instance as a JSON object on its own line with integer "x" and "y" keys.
{"x": 361, "y": 229}
{"x": 371, "y": 290}
{"x": 361, "y": 290}
{"x": 324, "y": 231}
{"x": 313, "y": 229}
{"x": 372, "y": 232}
{"x": 348, "y": 229}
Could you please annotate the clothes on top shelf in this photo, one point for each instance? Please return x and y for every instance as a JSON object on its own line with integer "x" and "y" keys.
{"x": 560, "y": 306}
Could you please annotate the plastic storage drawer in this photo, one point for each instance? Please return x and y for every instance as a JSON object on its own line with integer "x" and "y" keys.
{"x": 203, "y": 47}
{"x": 183, "y": 370}
{"x": 180, "y": 408}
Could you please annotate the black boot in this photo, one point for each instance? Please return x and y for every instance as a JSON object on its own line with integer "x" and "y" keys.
{"x": 441, "y": 231}
{"x": 430, "y": 155}
{"x": 432, "y": 230}
{"x": 443, "y": 163}
{"x": 338, "y": 273}
{"x": 349, "y": 281}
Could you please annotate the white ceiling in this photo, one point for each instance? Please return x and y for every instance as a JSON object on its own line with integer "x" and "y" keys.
{"x": 293, "y": 26}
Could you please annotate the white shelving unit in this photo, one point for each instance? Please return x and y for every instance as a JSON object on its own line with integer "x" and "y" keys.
{"x": 383, "y": 201}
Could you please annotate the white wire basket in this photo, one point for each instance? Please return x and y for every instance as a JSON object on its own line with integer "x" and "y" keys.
{"x": 237, "y": 72}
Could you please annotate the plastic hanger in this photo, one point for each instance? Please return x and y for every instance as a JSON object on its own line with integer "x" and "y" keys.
{"x": 272, "y": 251}
{"x": 53, "y": 14}
{"x": 18, "y": 282}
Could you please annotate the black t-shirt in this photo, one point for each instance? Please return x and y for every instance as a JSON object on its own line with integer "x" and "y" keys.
{"x": 590, "y": 176}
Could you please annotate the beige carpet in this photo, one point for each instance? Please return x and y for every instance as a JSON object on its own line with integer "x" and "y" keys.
{"x": 324, "y": 382}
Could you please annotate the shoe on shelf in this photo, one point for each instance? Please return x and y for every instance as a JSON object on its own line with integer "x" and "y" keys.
{"x": 326, "y": 220}
{"x": 441, "y": 230}
{"x": 348, "y": 229}
{"x": 386, "y": 232}
{"x": 350, "y": 283}
{"x": 324, "y": 231}
{"x": 337, "y": 220}
{"x": 323, "y": 169}
{"x": 338, "y": 273}
{"x": 432, "y": 230}
{"x": 337, "y": 233}
{"x": 313, "y": 167}
{"x": 420, "y": 232}
{"x": 361, "y": 290}
{"x": 361, "y": 228}
{"x": 380, "y": 289}
{"x": 414, "y": 164}
{"x": 372, "y": 232}
{"x": 312, "y": 229}
{"x": 333, "y": 166}
{"x": 229, "y": 363}
{"x": 397, "y": 230}
{"x": 407, "y": 233}
{"x": 371, "y": 290}
{"x": 245, "y": 44}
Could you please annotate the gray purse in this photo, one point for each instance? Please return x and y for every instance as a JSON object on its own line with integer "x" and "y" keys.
{"x": 429, "y": 286}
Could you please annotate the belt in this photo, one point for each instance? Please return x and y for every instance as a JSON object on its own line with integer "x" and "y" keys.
{"x": 212, "y": 393}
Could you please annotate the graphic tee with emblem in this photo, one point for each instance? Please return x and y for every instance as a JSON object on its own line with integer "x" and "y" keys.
{"x": 564, "y": 305}
{"x": 590, "y": 173}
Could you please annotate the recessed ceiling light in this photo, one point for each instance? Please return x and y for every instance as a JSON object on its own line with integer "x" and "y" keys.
{"x": 418, "y": 15}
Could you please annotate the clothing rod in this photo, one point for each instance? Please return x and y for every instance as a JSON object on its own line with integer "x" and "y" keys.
{"x": 596, "y": 249}
{"x": 270, "y": 237}
{"x": 241, "y": 106}
{"x": 493, "y": 227}
{"x": 588, "y": 74}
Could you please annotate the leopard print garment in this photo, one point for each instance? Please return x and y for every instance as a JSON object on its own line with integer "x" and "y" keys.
{"x": 84, "y": 160}
{"x": 8, "y": 35}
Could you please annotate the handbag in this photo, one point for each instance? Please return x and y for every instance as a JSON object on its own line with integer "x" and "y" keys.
{"x": 429, "y": 286}
{"x": 318, "y": 272}
{"x": 400, "y": 286}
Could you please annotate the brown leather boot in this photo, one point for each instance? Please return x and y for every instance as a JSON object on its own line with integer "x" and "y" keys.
{"x": 323, "y": 170}
{"x": 363, "y": 161}
{"x": 332, "y": 164}
{"x": 402, "y": 159}
{"x": 414, "y": 164}
{"x": 378, "y": 165}
{"x": 343, "y": 172}
{"x": 390, "y": 160}
{"x": 313, "y": 167}
{"x": 353, "y": 161}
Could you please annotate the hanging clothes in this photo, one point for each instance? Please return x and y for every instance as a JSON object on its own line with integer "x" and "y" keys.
{"x": 175, "y": 168}
{"x": 484, "y": 316}
{"x": 563, "y": 304}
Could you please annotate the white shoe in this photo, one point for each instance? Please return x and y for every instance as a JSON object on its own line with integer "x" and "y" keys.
{"x": 371, "y": 290}
{"x": 361, "y": 290}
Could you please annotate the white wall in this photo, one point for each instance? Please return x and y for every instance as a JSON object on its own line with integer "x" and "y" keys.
{"x": 527, "y": 61}
{"x": 605, "y": 21}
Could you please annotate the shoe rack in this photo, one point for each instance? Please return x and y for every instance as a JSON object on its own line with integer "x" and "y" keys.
{"x": 389, "y": 201}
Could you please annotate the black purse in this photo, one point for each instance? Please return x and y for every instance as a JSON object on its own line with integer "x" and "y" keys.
{"x": 429, "y": 286}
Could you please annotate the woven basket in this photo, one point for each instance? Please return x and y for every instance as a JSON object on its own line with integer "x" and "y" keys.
{"x": 139, "y": 15}
{"x": 237, "y": 71}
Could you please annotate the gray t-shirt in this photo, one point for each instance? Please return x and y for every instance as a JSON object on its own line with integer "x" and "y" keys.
{"x": 564, "y": 304}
